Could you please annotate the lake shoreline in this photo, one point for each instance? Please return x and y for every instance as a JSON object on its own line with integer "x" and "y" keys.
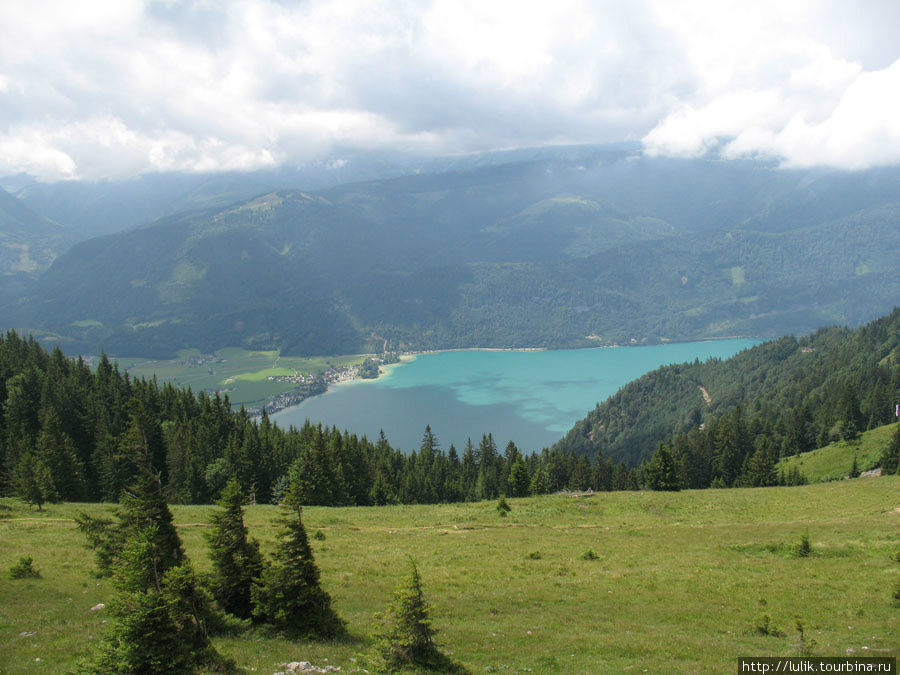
{"x": 386, "y": 369}
{"x": 531, "y": 398}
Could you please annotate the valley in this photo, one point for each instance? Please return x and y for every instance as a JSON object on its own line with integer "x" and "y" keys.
{"x": 441, "y": 337}
{"x": 252, "y": 379}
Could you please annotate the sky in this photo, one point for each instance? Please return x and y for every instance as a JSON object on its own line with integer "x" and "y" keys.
{"x": 100, "y": 89}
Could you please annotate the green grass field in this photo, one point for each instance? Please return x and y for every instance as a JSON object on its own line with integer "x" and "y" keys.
{"x": 242, "y": 374}
{"x": 834, "y": 461}
{"x": 678, "y": 583}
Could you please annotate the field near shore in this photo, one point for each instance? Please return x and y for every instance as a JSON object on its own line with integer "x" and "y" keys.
{"x": 241, "y": 373}
{"x": 678, "y": 582}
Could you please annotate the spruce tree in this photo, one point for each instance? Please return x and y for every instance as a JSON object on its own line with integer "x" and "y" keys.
{"x": 760, "y": 467}
{"x": 519, "y": 481}
{"x": 143, "y": 506}
{"x": 662, "y": 472}
{"x": 51, "y": 472}
{"x": 381, "y": 492}
{"x": 539, "y": 482}
{"x": 405, "y": 638}
{"x": 34, "y": 484}
{"x": 287, "y": 594}
{"x": 890, "y": 456}
{"x": 160, "y": 614}
{"x": 235, "y": 558}
{"x": 56, "y": 451}
{"x": 142, "y": 637}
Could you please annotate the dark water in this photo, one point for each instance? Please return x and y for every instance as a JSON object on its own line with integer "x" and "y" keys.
{"x": 531, "y": 398}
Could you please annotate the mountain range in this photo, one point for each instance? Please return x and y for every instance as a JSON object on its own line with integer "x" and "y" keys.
{"x": 557, "y": 248}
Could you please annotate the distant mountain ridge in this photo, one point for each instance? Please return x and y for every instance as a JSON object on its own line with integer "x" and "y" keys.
{"x": 573, "y": 248}
{"x": 28, "y": 245}
{"x": 98, "y": 207}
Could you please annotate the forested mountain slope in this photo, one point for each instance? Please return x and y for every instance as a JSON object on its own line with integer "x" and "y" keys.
{"x": 787, "y": 396}
{"x": 71, "y": 433}
{"x": 574, "y": 249}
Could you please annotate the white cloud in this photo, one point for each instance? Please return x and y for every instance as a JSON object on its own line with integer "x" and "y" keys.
{"x": 859, "y": 127}
{"x": 33, "y": 154}
{"x": 862, "y": 131}
{"x": 770, "y": 87}
{"x": 96, "y": 89}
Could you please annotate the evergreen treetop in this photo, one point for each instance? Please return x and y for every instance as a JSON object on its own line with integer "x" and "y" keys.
{"x": 235, "y": 557}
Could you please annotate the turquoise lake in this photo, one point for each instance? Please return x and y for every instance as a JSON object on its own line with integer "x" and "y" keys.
{"x": 532, "y": 398}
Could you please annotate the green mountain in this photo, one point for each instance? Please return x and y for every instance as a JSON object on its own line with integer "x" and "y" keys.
{"x": 95, "y": 208}
{"x": 28, "y": 245}
{"x": 260, "y": 273}
{"x": 573, "y": 248}
{"x": 787, "y": 396}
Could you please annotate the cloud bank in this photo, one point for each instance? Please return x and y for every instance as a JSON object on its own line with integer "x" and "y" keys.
{"x": 105, "y": 90}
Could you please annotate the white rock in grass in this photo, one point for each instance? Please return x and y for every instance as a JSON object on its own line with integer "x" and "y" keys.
{"x": 306, "y": 667}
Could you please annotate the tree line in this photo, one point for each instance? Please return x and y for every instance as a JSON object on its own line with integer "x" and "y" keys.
{"x": 69, "y": 433}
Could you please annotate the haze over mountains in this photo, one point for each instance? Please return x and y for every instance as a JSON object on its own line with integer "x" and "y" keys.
{"x": 28, "y": 245}
{"x": 558, "y": 247}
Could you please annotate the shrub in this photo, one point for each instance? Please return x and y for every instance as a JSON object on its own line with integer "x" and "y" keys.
{"x": 534, "y": 555}
{"x": 802, "y": 549}
{"x": 762, "y": 625}
{"x": 590, "y": 555}
{"x": 806, "y": 645}
{"x": 24, "y": 569}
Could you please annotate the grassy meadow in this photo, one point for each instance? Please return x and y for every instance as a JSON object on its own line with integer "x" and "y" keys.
{"x": 240, "y": 372}
{"x": 833, "y": 461}
{"x": 678, "y": 582}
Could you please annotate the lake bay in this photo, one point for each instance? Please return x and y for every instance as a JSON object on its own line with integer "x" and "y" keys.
{"x": 530, "y": 397}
